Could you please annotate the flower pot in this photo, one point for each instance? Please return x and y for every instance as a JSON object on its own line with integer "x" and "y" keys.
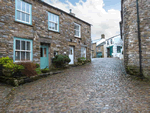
{"x": 7, "y": 72}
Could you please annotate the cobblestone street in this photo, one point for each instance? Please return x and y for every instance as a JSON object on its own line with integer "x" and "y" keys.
{"x": 99, "y": 87}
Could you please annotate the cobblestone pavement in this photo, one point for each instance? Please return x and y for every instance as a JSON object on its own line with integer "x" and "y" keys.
{"x": 4, "y": 94}
{"x": 99, "y": 87}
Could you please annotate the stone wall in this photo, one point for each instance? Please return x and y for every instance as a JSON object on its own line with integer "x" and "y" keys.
{"x": 101, "y": 49}
{"x": 130, "y": 35}
{"x": 38, "y": 31}
{"x": 93, "y": 50}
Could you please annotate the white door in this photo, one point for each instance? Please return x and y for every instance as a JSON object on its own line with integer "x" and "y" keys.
{"x": 71, "y": 55}
{"x": 83, "y": 52}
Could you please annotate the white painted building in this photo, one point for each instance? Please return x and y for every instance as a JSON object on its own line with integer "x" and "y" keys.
{"x": 114, "y": 47}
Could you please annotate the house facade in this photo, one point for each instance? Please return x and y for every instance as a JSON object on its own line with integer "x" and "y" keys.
{"x": 100, "y": 49}
{"x": 33, "y": 30}
{"x": 135, "y": 31}
{"x": 93, "y": 49}
{"x": 114, "y": 47}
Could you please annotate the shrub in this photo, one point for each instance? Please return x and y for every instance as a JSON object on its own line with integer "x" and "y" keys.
{"x": 29, "y": 68}
{"x": 45, "y": 70}
{"x": 37, "y": 65}
{"x": 5, "y": 60}
{"x": 61, "y": 60}
{"x": 38, "y": 70}
{"x": 81, "y": 60}
{"x": 7, "y": 64}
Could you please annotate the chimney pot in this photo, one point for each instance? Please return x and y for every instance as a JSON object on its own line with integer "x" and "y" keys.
{"x": 102, "y": 36}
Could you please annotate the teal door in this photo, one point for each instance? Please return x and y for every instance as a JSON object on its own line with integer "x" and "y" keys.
{"x": 111, "y": 50}
{"x": 44, "y": 63}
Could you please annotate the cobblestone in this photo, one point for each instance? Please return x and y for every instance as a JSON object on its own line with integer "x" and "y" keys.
{"x": 99, "y": 87}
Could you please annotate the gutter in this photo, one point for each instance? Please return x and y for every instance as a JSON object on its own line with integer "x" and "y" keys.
{"x": 139, "y": 39}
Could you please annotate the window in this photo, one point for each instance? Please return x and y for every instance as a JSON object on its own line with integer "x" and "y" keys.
{"x": 107, "y": 42}
{"x": 119, "y": 49}
{"x": 22, "y": 49}
{"x": 23, "y": 12}
{"x": 83, "y": 52}
{"x": 111, "y": 41}
{"x": 53, "y": 22}
{"x": 99, "y": 48}
{"x": 77, "y": 30}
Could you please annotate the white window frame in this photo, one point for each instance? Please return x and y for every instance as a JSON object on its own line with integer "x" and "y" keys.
{"x": 83, "y": 52}
{"x": 25, "y": 12}
{"x": 77, "y": 30}
{"x": 51, "y": 20}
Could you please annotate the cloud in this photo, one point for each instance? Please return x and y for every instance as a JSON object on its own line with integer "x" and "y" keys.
{"x": 92, "y": 11}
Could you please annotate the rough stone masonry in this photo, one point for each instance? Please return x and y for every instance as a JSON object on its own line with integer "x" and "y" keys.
{"x": 130, "y": 35}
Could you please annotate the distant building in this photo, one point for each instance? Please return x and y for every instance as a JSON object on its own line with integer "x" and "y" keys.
{"x": 110, "y": 47}
{"x": 100, "y": 47}
{"x": 114, "y": 47}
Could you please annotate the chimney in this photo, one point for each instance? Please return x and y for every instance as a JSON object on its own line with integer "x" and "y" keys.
{"x": 71, "y": 13}
{"x": 102, "y": 36}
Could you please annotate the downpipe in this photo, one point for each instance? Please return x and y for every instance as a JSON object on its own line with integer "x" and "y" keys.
{"x": 139, "y": 39}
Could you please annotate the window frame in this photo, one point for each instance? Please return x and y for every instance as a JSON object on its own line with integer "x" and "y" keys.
{"x": 30, "y": 13}
{"x": 107, "y": 42}
{"x": 51, "y": 21}
{"x": 31, "y": 49}
{"x": 119, "y": 49}
{"x": 78, "y": 30}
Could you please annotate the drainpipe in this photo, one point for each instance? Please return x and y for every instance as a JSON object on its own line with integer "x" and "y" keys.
{"x": 139, "y": 39}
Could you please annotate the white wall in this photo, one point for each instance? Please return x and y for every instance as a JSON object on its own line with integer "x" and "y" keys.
{"x": 117, "y": 41}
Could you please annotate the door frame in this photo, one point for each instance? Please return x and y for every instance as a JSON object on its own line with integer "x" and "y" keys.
{"x": 73, "y": 54}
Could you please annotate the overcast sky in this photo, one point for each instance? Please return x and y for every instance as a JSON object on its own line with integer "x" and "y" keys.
{"x": 104, "y": 15}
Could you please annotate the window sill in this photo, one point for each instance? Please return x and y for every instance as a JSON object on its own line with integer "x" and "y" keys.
{"x": 77, "y": 37}
{"x": 23, "y": 23}
{"x": 54, "y": 31}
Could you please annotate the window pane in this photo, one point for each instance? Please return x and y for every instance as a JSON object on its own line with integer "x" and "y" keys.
{"x": 22, "y": 55}
{"x": 23, "y": 6}
{"x": 28, "y": 45}
{"x": 45, "y": 52}
{"x": 27, "y": 8}
{"x": 77, "y": 27}
{"x": 50, "y": 25}
{"x": 19, "y": 4}
{"x": 27, "y": 18}
{"x": 23, "y": 16}
{"x": 22, "y": 45}
{"x": 17, "y": 55}
{"x": 18, "y": 15}
{"x": 49, "y": 16}
{"x": 27, "y": 55}
{"x": 74, "y": 26}
{"x": 18, "y": 44}
{"x": 55, "y": 26}
{"x": 41, "y": 52}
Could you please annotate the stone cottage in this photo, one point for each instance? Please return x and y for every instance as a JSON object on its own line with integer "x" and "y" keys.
{"x": 100, "y": 47}
{"x": 135, "y": 29}
{"x": 33, "y": 30}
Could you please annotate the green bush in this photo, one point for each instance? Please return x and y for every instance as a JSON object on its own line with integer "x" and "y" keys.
{"x": 37, "y": 65}
{"x": 81, "y": 60}
{"x": 8, "y": 64}
{"x": 38, "y": 70}
{"x": 61, "y": 60}
{"x": 45, "y": 70}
